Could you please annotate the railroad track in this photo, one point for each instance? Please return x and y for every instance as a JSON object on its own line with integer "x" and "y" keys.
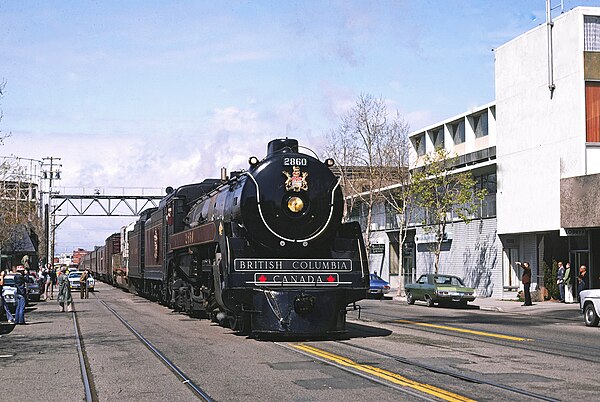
{"x": 393, "y": 379}
{"x": 90, "y": 392}
{"x": 529, "y": 344}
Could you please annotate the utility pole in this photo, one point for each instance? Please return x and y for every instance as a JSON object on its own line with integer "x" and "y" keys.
{"x": 50, "y": 171}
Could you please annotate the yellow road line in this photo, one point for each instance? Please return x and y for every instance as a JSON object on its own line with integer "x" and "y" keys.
{"x": 466, "y": 331}
{"x": 384, "y": 374}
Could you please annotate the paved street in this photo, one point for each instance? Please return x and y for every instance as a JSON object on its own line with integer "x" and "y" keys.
{"x": 535, "y": 351}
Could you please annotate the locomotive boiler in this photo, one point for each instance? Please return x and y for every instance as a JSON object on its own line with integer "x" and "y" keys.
{"x": 263, "y": 251}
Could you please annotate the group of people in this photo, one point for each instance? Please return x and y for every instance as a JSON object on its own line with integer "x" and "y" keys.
{"x": 565, "y": 283}
{"x": 563, "y": 279}
{"x": 48, "y": 279}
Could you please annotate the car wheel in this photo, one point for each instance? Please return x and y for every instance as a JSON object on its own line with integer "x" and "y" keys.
{"x": 429, "y": 301}
{"x": 590, "y": 316}
{"x": 409, "y": 298}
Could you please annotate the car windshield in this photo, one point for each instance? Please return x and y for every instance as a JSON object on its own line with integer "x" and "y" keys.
{"x": 448, "y": 280}
{"x": 74, "y": 275}
{"x": 9, "y": 281}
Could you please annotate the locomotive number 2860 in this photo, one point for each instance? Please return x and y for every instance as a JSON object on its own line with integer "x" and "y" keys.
{"x": 295, "y": 162}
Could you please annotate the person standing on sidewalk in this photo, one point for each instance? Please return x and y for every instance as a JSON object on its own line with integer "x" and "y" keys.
{"x": 560, "y": 275}
{"x": 568, "y": 285}
{"x": 582, "y": 280}
{"x": 64, "y": 291}
{"x": 526, "y": 279}
{"x": 9, "y": 316}
{"x": 83, "y": 281}
{"x": 20, "y": 284}
{"x": 51, "y": 282}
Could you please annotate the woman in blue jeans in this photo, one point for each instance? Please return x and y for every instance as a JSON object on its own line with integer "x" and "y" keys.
{"x": 20, "y": 285}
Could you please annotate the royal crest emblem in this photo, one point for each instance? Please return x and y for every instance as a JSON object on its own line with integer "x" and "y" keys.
{"x": 297, "y": 180}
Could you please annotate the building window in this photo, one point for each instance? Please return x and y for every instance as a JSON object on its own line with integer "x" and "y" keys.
{"x": 480, "y": 125}
{"x": 418, "y": 142}
{"x": 591, "y": 33}
{"x": 437, "y": 137}
{"x": 457, "y": 130}
{"x": 488, "y": 204}
{"x": 592, "y": 111}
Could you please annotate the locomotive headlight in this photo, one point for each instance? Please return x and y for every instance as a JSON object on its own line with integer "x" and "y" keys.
{"x": 295, "y": 204}
{"x": 253, "y": 160}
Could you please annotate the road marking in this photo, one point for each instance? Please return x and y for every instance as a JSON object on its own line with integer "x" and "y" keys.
{"x": 466, "y": 331}
{"x": 5, "y": 356}
{"x": 384, "y": 374}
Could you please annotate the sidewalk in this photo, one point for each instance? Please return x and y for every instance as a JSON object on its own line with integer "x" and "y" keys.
{"x": 40, "y": 353}
{"x": 551, "y": 309}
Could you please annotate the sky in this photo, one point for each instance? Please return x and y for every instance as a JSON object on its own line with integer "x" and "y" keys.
{"x": 164, "y": 93}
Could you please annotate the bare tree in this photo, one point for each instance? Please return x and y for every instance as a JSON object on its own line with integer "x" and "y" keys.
{"x": 3, "y": 136}
{"x": 442, "y": 192}
{"x": 369, "y": 147}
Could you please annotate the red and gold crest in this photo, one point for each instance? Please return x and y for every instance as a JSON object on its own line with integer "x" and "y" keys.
{"x": 296, "y": 181}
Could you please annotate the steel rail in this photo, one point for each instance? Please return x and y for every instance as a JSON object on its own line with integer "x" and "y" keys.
{"x": 180, "y": 374}
{"x": 532, "y": 346}
{"x": 362, "y": 375}
{"x": 459, "y": 376}
{"x": 89, "y": 395}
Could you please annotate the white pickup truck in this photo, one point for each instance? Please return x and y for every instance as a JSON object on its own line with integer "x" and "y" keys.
{"x": 589, "y": 305}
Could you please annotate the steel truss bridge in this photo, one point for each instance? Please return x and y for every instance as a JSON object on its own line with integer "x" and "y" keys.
{"x": 99, "y": 205}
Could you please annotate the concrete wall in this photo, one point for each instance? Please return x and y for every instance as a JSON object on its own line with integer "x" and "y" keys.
{"x": 474, "y": 254}
{"x": 541, "y": 138}
{"x": 579, "y": 201}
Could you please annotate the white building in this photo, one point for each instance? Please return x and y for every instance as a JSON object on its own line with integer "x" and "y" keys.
{"x": 544, "y": 150}
{"x": 537, "y": 151}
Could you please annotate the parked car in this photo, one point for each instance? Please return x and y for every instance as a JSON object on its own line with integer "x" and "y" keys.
{"x": 9, "y": 292}
{"x": 33, "y": 290}
{"x": 379, "y": 287}
{"x": 589, "y": 306}
{"x": 440, "y": 289}
{"x": 74, "y": 283}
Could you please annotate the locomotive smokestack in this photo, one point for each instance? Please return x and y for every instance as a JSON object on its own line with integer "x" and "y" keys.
{"x": 223, "y": 174}
{"x": 282, "y": 145}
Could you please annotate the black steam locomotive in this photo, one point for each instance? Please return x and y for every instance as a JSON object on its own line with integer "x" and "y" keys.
{"x": 263, "y": 251}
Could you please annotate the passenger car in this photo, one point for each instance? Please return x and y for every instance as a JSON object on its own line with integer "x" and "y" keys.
{"x": 439, "y": 289}
{"x": 379, "y": 287}
{"x": 33, "y": 290}
{"x": 589, "y": 305}
{"x": 9, "y": 292}
{"x": 74, "y": 280}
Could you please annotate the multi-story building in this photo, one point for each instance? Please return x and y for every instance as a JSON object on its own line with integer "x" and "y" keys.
{"x": 20, "y": 211}
{"x": 548, "y": 102}
{"x": 536, "y": 149}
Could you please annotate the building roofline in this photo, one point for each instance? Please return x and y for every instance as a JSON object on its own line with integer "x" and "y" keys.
{"x": 472, "y": 111}
{"x": 582, "y": 10}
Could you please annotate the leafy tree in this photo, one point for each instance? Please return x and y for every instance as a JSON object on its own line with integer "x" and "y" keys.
{"x": 440, "y": 192}
{"x": 550, "y": 276}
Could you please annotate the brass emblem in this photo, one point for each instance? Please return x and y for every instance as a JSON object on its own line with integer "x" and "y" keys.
{"x": 296, "y": 181}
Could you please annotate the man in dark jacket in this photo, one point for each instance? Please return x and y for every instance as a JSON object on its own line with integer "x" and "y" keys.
{"x": 21, "y": 285}
{"x": 526, "y": 278}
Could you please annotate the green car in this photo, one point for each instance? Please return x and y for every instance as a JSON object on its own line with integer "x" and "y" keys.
{"x": 440, "y": 289}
